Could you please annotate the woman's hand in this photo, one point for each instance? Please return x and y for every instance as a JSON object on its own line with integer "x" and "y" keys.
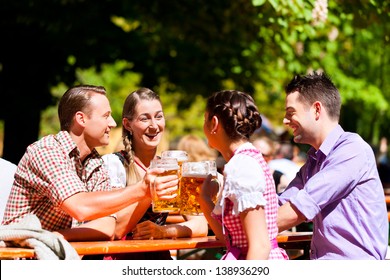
{"x": 165, "y": 187}
{"x": 209, "y": 189}
{"x": 148, "y": 230}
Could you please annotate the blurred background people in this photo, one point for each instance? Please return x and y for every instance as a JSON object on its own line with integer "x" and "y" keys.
{"x": 283, "y": 162}
{"x": 384, "y": 164}
{"x": 196, "y": 148}
{"x": 267, "y": 147}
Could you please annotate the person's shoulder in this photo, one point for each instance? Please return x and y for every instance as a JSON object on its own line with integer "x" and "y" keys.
{"x": 7, "y": 165}
{"x": 45, "y": 142}
{"x": 353, "y": 138}
{"x": 243, "y": 164}
{"x": 353, "y": 143}
{"x": 53, "y": 139}
{"x": 60, "y": 143}
{"x": 114, "y": 157}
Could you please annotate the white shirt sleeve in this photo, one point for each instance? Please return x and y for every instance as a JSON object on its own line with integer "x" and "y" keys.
{"x": 116, "y": 170}
{"x": 244, "y": 183}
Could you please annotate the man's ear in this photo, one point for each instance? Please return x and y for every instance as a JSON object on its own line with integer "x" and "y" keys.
{"x": 317, "y": 109}
{"x": 80, "y": 118}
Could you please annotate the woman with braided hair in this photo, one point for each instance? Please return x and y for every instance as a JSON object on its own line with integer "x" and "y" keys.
{"x": 245, "y": 213}
{"x": 143, "y": 125}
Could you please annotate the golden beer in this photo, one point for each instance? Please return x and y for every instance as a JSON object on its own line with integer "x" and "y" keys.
{"x": 192, "y": 178}
{"x": 190, "y": 190}
{"x": 171, "y": 168}
{"x": 181, "y": 157}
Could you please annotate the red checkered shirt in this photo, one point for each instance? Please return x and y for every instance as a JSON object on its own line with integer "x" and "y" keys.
{"x": 234, "y": 229}
{"x": 50, "y": 172}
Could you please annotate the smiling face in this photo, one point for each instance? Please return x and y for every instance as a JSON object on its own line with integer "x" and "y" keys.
{"x": 147, "y": 126}
{"x": 98, "y": 121}
{"x": 300, "y": 117}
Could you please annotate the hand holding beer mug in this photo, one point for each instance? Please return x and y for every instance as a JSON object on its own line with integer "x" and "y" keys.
{"x": 160, "y": 198}
{"x": 192, "y": 178}
{"x": 181, "y": 157}
{"x": 214, "y": 178}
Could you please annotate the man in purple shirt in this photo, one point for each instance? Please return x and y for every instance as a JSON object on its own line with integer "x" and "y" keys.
{"x": 338, "y": 188}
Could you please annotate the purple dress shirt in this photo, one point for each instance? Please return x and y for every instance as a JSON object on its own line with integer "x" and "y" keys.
{"x": 339, "y": 190}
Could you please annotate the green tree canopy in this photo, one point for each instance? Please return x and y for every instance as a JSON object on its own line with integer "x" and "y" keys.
{"x": 187, "y": 49}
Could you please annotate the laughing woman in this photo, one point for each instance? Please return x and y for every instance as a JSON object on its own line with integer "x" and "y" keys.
{"x": 143, "y": 126}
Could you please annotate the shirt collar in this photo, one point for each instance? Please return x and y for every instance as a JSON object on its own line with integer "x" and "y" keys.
{"x": 66, "y": 141}
{"x": 70, "y": 147}
{"x": 329, "y": 142}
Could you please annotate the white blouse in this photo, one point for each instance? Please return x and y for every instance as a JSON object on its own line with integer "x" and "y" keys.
{"x": 116, "y": 170}
{"x": 244, "y": 183}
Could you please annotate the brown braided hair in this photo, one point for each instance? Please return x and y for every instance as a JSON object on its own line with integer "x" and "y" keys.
{"x": 237, "y": 111}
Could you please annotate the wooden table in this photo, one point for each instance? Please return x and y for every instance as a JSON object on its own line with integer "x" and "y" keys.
{"x": 291, "y": 240}
{"x": 296, "y": 241}
{"x": 133, "y": 246}
{"x": 16, "y": 253}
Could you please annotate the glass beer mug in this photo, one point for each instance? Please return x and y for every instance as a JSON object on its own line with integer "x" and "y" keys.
{"x": 181, "y": 157}
{"x": 171, "y": 167}
{"x": 192, "y": 178}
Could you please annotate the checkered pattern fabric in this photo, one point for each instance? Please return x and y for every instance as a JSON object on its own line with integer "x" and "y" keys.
{"x": 50, "y": 172}
{"x": 233, "y": 223}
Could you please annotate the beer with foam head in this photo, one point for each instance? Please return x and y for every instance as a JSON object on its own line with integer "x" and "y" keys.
{"x": 181, "y": 157}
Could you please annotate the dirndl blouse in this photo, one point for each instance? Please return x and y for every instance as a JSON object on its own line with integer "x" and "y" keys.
{"x": 248, "y": 183}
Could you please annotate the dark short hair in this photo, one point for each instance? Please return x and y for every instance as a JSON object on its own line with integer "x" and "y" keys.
{"x": 317, "y": 87}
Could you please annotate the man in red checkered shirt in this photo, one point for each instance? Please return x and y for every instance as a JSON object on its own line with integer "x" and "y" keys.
{"x": 61, "y": 178}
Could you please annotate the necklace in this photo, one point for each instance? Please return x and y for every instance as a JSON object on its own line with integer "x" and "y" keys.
{"x": 140, "y": 165}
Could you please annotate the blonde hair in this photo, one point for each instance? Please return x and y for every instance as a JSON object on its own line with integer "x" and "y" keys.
{"x": 129, "y": 111}
{"x": 196, "y": 148}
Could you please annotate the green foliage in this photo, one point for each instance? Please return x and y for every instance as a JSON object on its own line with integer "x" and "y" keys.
{"x": 185, "y": 50}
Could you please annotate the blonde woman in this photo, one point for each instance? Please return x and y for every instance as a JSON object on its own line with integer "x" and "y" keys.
{"x": 143, "y": 124}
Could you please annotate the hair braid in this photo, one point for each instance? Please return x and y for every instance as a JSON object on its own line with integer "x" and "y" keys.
{"x": 132, "y": 174}
{"x": 237, "y": 111}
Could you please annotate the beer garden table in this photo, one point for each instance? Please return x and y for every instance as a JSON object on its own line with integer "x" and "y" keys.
{"x": 287, "y": 240}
